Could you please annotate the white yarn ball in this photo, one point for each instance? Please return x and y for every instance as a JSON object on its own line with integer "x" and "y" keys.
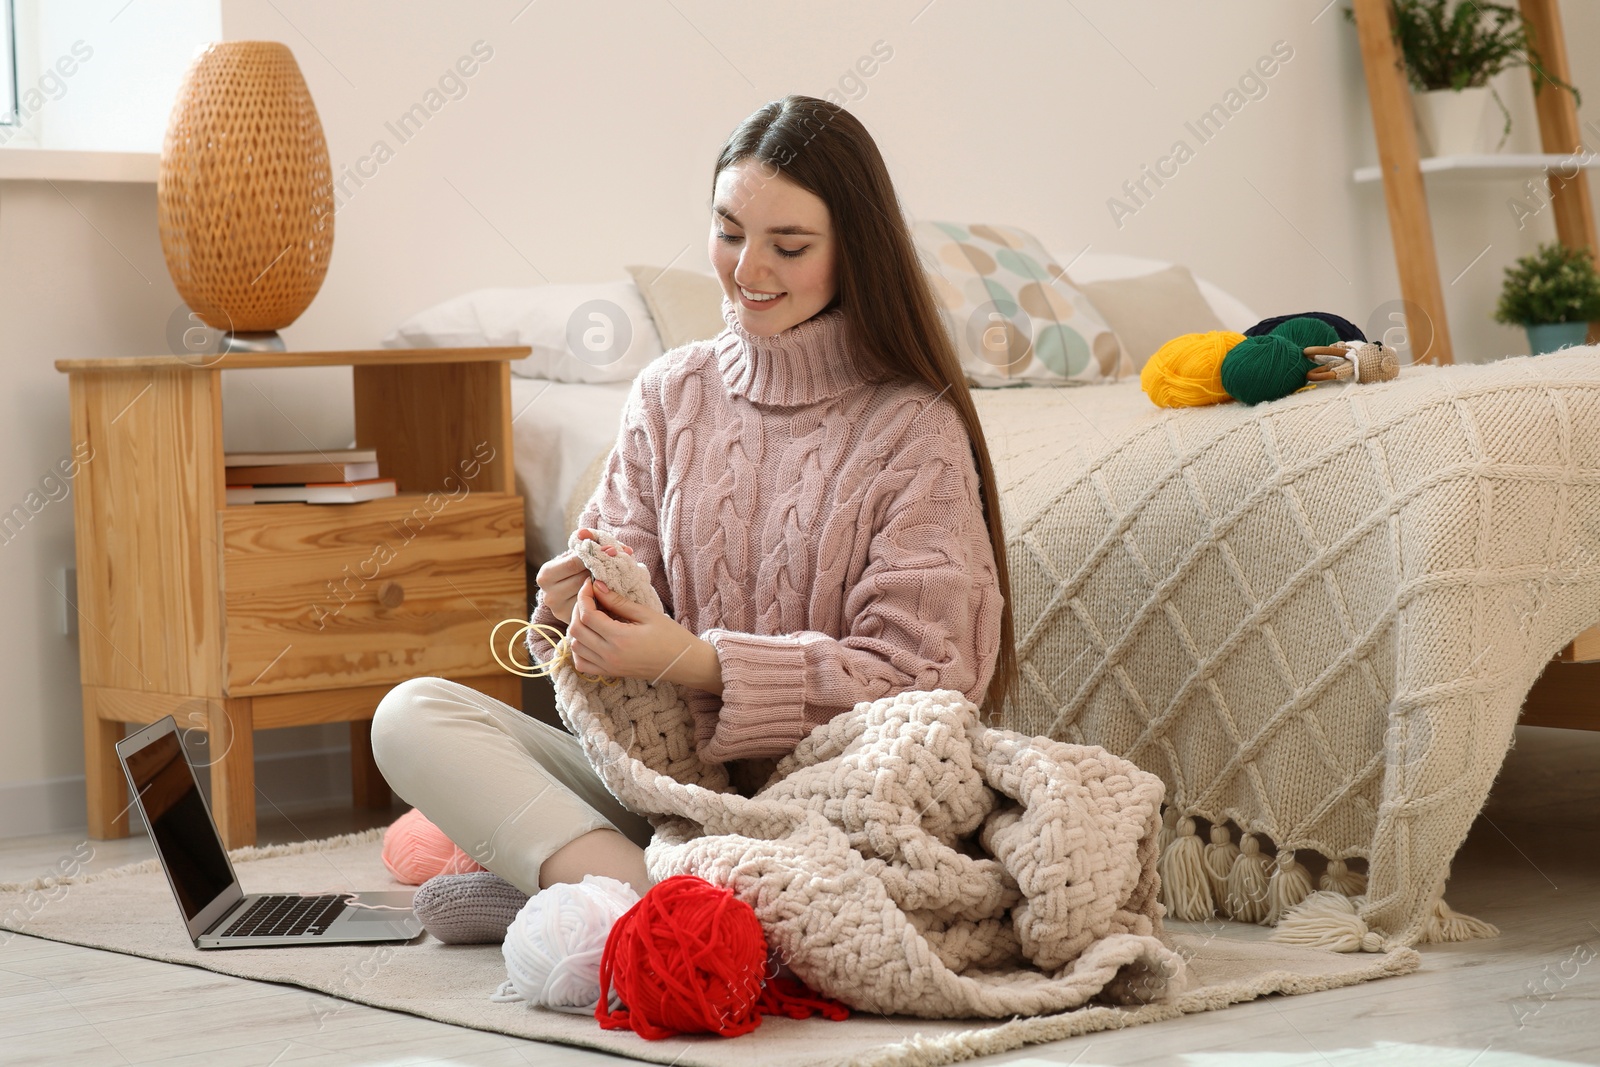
{"x": 553, "y": 946}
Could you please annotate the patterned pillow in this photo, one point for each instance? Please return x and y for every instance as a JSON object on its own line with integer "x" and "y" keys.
{"x": 1014, "y": 317}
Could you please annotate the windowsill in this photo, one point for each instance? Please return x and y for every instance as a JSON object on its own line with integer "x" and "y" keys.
{"x": 77, "y": 165}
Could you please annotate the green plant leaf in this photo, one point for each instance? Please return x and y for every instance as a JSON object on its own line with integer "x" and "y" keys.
{"x": 1462, "y": 44}
{"x": 1554, "y": 284}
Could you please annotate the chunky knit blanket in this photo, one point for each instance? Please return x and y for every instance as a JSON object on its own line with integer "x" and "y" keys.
{"x": 905, "y": 858}
{"x": 1315, "y": 619}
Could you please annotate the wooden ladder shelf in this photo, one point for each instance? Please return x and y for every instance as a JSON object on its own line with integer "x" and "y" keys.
{"x": 1404, "y": 193}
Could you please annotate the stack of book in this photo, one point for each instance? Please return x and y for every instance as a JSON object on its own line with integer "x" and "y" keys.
{"x": 340, "y": 476}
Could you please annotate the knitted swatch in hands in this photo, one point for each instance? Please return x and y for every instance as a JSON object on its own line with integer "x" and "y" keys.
{"x": 904, "y": 858}
{"x": 652, "y": 726}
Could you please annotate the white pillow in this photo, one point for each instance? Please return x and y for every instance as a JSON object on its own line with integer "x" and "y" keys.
{"x": 1105, "y": 267}
{"x": 589, "y": 334}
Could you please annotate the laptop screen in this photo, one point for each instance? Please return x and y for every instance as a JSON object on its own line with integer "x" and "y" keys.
{"x": 179, "y": 823}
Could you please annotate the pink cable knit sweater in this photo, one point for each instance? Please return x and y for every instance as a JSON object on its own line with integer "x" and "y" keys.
{"x": 822, "y": 532}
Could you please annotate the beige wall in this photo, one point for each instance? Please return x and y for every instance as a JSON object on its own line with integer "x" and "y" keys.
{"x": 585, "y": 142}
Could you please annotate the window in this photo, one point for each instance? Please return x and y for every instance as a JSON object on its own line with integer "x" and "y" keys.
{"x": 101, "y": 75}
{"x": 8, "y": 67}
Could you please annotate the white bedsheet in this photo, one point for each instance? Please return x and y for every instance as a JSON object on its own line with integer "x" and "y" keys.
{"x": 557, "y": 429}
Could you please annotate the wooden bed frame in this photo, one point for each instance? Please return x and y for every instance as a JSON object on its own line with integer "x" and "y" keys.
{"x": 1567, "y": 694}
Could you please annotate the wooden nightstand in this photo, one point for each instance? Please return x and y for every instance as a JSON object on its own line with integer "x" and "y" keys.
{"x": 235, "y": 619}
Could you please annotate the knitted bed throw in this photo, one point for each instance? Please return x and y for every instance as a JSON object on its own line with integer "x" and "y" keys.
{"x": 905, "y": 858}
{"x": 1316, "y": 619}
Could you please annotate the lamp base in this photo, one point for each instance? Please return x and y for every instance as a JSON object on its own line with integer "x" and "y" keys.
{"x": 261, "y": 341}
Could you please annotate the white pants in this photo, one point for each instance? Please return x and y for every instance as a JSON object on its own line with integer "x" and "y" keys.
{"x": 505, "y": 787}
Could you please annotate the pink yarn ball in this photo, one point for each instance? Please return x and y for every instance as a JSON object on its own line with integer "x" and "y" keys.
{"x": 415, "y": 850}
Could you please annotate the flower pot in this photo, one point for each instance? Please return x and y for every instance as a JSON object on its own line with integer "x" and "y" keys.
{"x": 1450, "y": 121}
{"x": 1549, "y": 336}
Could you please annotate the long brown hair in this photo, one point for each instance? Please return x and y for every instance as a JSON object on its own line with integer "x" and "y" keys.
{"x": 889, "y": 311}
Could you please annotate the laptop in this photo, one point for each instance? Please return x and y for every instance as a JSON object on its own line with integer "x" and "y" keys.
{"x": 216, "y": 912}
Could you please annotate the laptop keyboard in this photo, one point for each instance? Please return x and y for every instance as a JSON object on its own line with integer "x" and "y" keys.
{"x": 287, "y": 915}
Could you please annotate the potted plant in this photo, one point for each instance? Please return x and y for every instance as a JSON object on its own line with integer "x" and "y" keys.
{"x": 1451, "y": 50}
{"x": 1553, "y": 294}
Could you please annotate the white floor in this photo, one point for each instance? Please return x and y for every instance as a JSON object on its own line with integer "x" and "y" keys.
{"x": 1531, "y": 865}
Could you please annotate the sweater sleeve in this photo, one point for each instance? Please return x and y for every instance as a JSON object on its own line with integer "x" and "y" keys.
{"x": 623, "y": 505}
{"x": 925, "y": 614}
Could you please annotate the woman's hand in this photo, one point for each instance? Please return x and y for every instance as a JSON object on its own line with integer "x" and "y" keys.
{"x": 613, "y": 637}
{"x": 561, "y": 578}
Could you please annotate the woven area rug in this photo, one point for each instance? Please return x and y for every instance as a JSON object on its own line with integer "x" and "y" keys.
{"x": 131, "y": 910}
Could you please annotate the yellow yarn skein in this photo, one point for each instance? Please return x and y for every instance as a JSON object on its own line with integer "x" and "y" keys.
{"x": 1186, "y": 372}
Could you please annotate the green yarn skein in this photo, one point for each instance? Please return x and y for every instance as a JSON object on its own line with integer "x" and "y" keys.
{"x": 1266, "y": 367}
{"x": 1307, "y": 332}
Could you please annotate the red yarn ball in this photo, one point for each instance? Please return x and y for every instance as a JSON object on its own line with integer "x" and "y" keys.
{"x": 691, "y": 958}
{"x": 415, "y": 850}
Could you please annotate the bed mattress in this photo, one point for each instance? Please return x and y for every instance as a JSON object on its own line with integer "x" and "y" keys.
{"x": 557, "y": 431}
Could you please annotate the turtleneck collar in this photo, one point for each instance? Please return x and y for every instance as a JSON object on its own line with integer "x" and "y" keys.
{"x": 805, "y": 364}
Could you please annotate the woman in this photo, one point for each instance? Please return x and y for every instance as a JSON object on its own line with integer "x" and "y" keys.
{"x": 810, "y": 493}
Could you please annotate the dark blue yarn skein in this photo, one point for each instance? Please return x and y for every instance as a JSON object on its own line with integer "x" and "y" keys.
{"x": 1347, "y": 330}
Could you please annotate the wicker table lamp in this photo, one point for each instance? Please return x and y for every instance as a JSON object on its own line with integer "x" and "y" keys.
{"x": 245, "y": 193}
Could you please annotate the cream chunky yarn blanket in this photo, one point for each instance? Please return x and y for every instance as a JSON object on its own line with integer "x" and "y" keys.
{"x": 1316, "y": 618}
{"x": 904, "y": 858}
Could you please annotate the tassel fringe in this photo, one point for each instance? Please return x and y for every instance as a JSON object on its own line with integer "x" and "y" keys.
{"x": 1333, "y": 921}
{"x": 1328, "y": 920}
{"x": 1290, "y": 884}
{"x": 1184, "y": 889}
{"x": 1242, "y": 883}
{"x": 1169, "y": 826}
{"x": 1246, "y": 899}
{"x": 1339, "y": 878}
{"x": 1447, "y": 924}
{"x": 1220, "y": 855}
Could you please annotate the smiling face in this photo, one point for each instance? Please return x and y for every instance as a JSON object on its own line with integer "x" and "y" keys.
{"x": 773, "y": 248}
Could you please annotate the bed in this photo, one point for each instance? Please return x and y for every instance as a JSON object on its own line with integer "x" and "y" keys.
{"x": 1315, "y": 619}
